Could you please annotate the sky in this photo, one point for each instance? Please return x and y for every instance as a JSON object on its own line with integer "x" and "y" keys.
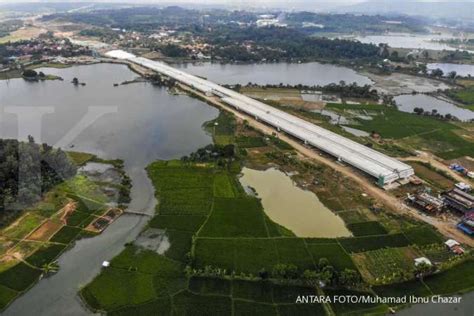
{"x": 230, "y": 2}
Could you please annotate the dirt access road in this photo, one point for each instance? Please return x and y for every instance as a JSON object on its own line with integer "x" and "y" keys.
{"x": 428, "y": 158}
{"x": 446, "y": 227}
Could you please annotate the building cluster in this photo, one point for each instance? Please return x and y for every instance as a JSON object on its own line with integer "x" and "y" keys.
{"x": 41, "y": 49}
{"x": 458, "y": 200}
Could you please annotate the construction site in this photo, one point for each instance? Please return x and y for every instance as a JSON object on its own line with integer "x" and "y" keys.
{"x": 385, "y": 169}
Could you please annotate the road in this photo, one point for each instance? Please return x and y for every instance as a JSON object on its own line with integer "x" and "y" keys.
{"x": 445, "y": 225}
{"x": 428, "y": 158}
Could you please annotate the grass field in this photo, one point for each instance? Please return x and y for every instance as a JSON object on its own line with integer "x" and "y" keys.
{"x": 465, "y": 96}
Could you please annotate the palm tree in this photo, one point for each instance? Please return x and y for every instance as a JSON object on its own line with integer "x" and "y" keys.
{"x": 50, "y": 268}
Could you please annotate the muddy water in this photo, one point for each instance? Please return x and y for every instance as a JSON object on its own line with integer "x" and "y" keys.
{"x": 294, "y": 208}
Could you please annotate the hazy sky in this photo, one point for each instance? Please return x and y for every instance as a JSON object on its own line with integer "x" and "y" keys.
{"x": 231, "y": 2}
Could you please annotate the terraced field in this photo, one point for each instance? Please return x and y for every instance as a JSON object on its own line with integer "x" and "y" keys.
{"x": 32, "y": 244}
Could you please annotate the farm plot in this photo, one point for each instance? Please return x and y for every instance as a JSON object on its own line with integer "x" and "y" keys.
{"x": 45, "y": 255}
{"x": 20, "y": 277}
{"x": 66, "y": 235}
{"x": 224, "y": 186}
{"x": 45, "y": 231}
{"x": 367, "y": 229}
{"x": 352, "y": 217}
{"x": 423, "y": 235}
{"x": 23, "y": 226}
{"x": 241, "y": 217}
{"x": 187, "y": 223}
{"x": 159, "y": 306}
{"x": 243, "y": 308}
{"x": 437, "y": 253}
{"x": 334, "y": 253}
{"x": 386, "y": 264}
{"x": 455, "y": 280}
{"x": 187, "y": 303}
{"x": 362, "y": 244}
{"x": 440, "y": 137}
{"x": 354, "y": 308}
{"x": 135, "y": 277}
{"x": 434, "y": 178}
{"x": 414, "y": 287}
{"x": 6, "y": 296}
{"x": 206, "y": 285}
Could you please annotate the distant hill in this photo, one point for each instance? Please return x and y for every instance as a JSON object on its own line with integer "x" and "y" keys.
{"x": 432, "y": 9}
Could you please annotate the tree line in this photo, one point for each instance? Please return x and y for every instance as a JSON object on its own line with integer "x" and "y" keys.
{"x": 342, "y": 89}
{"x": 27, "y": 171}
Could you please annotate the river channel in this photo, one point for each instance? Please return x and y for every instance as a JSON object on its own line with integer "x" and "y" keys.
{"x": 148, "y": 124}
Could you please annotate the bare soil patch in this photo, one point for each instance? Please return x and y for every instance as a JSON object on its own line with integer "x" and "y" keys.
{"x": 45, "y": 231}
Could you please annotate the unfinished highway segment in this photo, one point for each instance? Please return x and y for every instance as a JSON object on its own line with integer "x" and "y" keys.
{"x": 384, "y": 168}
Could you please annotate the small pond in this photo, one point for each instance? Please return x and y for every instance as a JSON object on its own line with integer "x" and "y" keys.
{"x": 292, "y": 207}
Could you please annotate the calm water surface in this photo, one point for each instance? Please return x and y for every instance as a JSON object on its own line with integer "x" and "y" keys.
{"x": 149, "y": 124}
{"x": 275, "y": 73}
{"x": 461, "y": 69}
{"x": 292, "y": 207}
{"x": 415, "y": 41}
{"x": 464, "y": 308}
{"x": 408, "y": 102}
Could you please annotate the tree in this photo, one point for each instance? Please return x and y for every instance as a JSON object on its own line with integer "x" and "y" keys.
{"x": 50, "y": 268}
{"x": 41, "y": 167}
{"x": 452, "y": 75}
{"x": 285, "y": 271}
{"x": 323, "y": 262}
{"x": 422, "y": 269}
{"x": 349, "y": 277}
{"x": 437, "y": 73}
{"x": 30, "y": 74}
{"x": 263, "y": 274}
{"x": 311, "y": 277}
{"x": 418, "y": 111}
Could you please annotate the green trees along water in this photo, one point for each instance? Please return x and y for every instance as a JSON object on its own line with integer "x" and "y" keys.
{"x": 27, "y": 170}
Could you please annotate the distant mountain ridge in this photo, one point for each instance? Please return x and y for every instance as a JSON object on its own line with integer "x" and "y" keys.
{"x": 430, "y": 9}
